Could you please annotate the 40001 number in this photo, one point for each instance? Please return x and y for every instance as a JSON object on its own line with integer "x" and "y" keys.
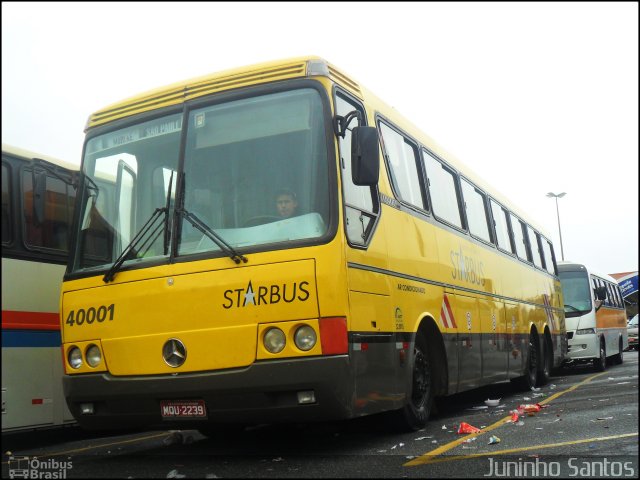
{"x": 90, "y": 315}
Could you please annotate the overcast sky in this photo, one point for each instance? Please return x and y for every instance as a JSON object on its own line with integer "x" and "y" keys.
{"x": 533, "y": 97}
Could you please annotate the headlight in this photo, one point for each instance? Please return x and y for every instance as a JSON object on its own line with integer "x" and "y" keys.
{"x": 585, "y": 331}
{"x": 75, "y": 357}
{"x": 274, "y": 340}
{"x": 305, "y": 338}
{"x": 93, "y": 356}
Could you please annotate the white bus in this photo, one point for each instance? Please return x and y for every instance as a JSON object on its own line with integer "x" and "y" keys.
{"x": 594, "y": 316}
{"x": 37, "y": 210}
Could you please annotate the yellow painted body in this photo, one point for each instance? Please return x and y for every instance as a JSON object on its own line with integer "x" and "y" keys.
{"x": 392, "y": 286}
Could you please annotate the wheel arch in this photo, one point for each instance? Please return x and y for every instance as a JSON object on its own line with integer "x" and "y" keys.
{"x": 437, "y": 353}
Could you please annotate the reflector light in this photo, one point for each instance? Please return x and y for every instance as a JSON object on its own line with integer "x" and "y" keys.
{"x": 333, "y": 335}
{"x": 86, "y": 408}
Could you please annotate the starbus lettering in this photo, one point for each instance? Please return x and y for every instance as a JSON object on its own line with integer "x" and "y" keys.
{"x": 466, "y": 268}
{"x": 266, "y": 294}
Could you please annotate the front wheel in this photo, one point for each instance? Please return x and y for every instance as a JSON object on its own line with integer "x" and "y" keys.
{"x": 600, "y": 363}
{"x": 416, "y": 412}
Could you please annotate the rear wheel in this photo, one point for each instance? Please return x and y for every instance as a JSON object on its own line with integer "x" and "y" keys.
{"x": 618, "y": 359}
{"x": 529, "y": 379}
{"x": 546, "y": 362}
{"x": 600, "y": 363}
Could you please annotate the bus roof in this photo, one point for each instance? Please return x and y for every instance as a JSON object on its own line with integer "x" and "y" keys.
{"x": 571, "y": 266}
{"x": 29, "y": 155}
{"x": 296, "y": 67}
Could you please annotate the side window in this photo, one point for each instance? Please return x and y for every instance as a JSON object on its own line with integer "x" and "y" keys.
{"x": 610, "y": 299}
{"x": 535, "y": 249}
{"x": 549, "y": 261}
{"x": 445, "y": 201}
{"x": 402, "y": 158}
{"x": 614, "y": 295}
{"x": 475, "y": 207}
{"x": 596, "y": 283}
{"x": 360, "y": 202}
{"x": 7, "y": 218}
{"x": 52, "y": 230}
{"x": 518, "y": 236}
{"x": 501, "y": 223}
{"x": 619, "y": 296}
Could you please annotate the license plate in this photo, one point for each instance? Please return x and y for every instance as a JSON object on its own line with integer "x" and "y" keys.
{"x": 183, "y": 409}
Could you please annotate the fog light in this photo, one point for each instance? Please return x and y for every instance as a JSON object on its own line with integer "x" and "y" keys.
{"x": 93, "y": 356}
{"x": 305, "y": 338}
{"x": 306, "y": 397}
{"x": 75, "y": 357}
{"x": 86, "y": 408}
{"x": 274, "y": 340}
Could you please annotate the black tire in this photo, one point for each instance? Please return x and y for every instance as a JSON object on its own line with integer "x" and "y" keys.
{"x": 546, "y": 363}
{"x": 414, "y": 415}
{"x": 530, "y": 378}
{"x": 618, "y": 358}
{"x": 600, "y": 363}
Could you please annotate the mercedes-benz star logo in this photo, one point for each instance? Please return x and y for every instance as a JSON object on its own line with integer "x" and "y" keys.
{"x": 174, "y": 352}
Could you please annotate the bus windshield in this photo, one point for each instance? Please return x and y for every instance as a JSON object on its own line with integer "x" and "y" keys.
{"x": 243, "y": 160}
{"x": 576, "y": 292}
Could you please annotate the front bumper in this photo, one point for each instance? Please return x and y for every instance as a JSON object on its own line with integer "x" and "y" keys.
{"x": 264, "y": 392}
{"x": 583, "y": 347}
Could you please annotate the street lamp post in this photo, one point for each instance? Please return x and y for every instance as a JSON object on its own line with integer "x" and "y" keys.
{"x": 559, "y": 195}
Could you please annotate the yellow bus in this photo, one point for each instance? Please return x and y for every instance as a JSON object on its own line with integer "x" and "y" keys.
{"x": 189, "y": 299}
{"x": 596, "y": 319}
{"x": 38, "y": 196}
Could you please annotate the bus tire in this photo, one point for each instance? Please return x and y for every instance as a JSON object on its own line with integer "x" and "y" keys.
{"x": 530, "y": 378}
{"x": 546, "y": 362}
{"x": 414, "y": 415}
{"x": 618, "y": 359}
{"x": 600, "y": 363}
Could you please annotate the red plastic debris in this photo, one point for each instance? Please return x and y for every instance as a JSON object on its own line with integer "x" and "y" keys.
{"x": 528, "y": 408}
{"x": 466, "y": 428}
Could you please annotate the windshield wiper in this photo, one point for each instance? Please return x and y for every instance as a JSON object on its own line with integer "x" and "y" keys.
{"x": 166, "y": 217}
{"x": 138, "y": 239}
{"x": 572, "y": 307}
{"x": 217, "y": 239}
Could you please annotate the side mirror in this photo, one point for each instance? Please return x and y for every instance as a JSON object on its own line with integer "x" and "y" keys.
{"x": 365, "y": 158}
{"x": 601, "y": 293}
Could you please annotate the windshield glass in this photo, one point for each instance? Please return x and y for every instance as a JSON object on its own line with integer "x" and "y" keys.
{"x": 576, "y": 292}
{"x": 255, "y": 173}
